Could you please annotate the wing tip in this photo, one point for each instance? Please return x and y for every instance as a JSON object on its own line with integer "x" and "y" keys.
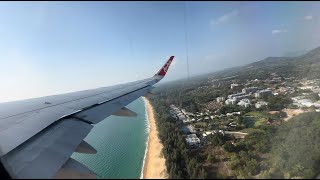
{"x": 165, "y": 67}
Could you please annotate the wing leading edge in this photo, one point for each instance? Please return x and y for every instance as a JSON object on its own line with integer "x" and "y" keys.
{"x": 33, "y": 132}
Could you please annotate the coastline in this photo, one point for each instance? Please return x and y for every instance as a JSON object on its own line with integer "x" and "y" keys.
{"x": 147, "y": 142}
{"x": 153, "y": 165}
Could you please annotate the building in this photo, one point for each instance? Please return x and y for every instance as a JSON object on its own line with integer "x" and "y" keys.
{"x": 221, "y": 131}
{"x": 316, "y": 104}
{"x": 192, "y": 140}
{"x": 261, "y": 104}
{"x": 190, "y": 129}
{"x": 238, "y": 98}
{"x": 233, "y": 113}
{"x": 277, "y": 79}
{"x": 234, "y": 95}
{"x": 289, "y": 78}
{"x": 183, "y": 118}
{"x": 206, "y": 133}
{"x": 220, "y": 99}
{"x": 233, "y": 85}
{"x": 230, "y": 101}
{"x": 305, "y": 102}
{"x": 249, "y": 90}
{"x": 263, "y": 93}
{"x": 229, "y": 114}
{"x": 306, "y": 87}
{"x": 244, "y": 103}
{"x": 297, "y": 98}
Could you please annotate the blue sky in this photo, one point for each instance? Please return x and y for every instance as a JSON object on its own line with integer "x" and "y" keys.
{"x": 55, "y": 47}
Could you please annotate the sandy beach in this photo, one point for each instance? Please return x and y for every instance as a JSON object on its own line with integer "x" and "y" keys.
{"x": 154, "y": 167}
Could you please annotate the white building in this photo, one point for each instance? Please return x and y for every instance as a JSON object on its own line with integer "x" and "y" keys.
{"x": 261, "y": 104}
{"x": 229, "y": 114}
{"x": 305, "y": 102}
{"x": 263, "y": 93}
{"x": 191, "y": 129}
{"x": 249, "y": 90}
{"x": 230, "y": 101}
{"x": 244, "y": 102}
{"x": 233, "y": 113}
{"x": 206, "y": 133}
{"x": 306, "y": 87}
{"x": 220, "y": 99}
{"x": 233, "y": 85}
{"x": 192, "y": 140}
{"x": 237, "y": 98}
{"x": 297, "y": 98}
{"x": 316, "y": 104}
{"x": 234, "y": 95}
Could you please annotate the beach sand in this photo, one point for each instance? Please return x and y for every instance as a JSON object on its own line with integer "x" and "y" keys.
{"x": 154, "y": 167}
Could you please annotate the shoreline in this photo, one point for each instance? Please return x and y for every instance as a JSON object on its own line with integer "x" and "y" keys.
{"x": 153, "y": 164}
{"x": 147, "y": 142}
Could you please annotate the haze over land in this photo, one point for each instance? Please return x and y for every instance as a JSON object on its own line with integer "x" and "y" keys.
{"x": 57, "y": 47}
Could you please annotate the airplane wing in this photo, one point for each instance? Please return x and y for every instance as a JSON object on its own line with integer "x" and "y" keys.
{"x": 38, "y": 136}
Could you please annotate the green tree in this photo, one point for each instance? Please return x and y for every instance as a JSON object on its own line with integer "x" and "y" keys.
{"x": 228, "y": 146}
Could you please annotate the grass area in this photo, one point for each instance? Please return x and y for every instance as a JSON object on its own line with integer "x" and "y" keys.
{"x": 255, "y": 119}
{"x": 254, "y": 122}
{"x": 256, "y": 114}
{"x": 259, "y": 122}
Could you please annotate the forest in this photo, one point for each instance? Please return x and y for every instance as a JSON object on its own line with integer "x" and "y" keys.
{"x": 180, "y": 164}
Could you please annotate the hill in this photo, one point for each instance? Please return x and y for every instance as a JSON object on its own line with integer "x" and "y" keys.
{"x": 306, "y": 65}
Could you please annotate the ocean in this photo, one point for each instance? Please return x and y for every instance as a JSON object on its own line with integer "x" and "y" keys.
{"x": 121, "y": 145}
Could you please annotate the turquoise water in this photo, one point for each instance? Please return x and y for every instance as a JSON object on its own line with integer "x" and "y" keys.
{"x": 120, "y": 142}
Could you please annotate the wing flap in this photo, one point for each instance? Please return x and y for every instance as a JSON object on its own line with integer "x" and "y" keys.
{"x": 17, "y": 129}
{"x": 100, "y": 112}
{"x": 86, "y": 148}
{"x": 75, "y": 170}
{"x": 46, "y": 152}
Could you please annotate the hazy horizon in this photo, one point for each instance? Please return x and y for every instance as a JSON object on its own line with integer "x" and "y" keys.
{"x": 57, "y": 47}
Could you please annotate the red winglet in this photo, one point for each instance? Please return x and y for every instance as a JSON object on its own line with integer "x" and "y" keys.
{"x": 164, "y": 69}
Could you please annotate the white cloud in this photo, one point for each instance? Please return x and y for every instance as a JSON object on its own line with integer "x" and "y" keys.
{"x": 308, "y": 18}
{"x": 224, "y": 18}
{"x": 277, "y": 31}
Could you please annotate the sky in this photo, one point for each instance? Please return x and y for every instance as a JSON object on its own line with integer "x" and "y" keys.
{"x": 50, "y": 48}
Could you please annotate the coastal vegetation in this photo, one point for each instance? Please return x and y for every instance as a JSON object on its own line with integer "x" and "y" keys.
{"x": 180, "y": 163}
